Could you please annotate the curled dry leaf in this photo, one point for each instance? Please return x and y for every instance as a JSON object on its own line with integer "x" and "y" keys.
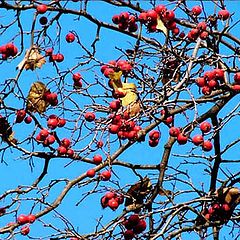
{"x": 131, "y": 93}
{"x": 137, "y": 192}
{"x": 161, "y": 27}
{"x": 6, "y": 131}
{"x": 35, "y": 99}
{"x": 116, "y": 79}
{"x": 134, "y": 108}
{"x": 32, "y": 59}
{"x": 229, "y": 195}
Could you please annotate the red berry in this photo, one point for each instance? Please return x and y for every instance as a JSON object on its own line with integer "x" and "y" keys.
{"x": 134, "y": 219}
{"x": 237, "y": 77}
{"x": 113, "y": 204}
{"x": 91, "y": 173}
{"x": 223, "y": 14}
{"x": 115, "y": 19}
{"x": 49, "y": 51}
{"x": 25, "y": 230}
{"x": 204, "y": 35}
{"x": 42, "y": 8}
{"x": 226, "y": 207}
{"x": 100, "y": 144}
{"x": 65, "y": 143}
{"x": 50, "y": 139}
{"x": 207, "y": 146}
{"x": 22, "y": 219}
{"x": 110, "y": 195}
{"x": 70, "y": 37}
{"x": 70, "y": 152}
{"x": 202, "y": 26}
{"x": 154, "y": 135}
{"x": 124, "y": 16}
{"x": 61, "y": 122}
{"x": 59, "y": 57}
{"x": 62, "y": 150}
{"x": 52, "y": 123}
{"x": 169, "y": 15}
{"x": 97, "y": 159}
{"x": 21, "y": 114}
{"x": 196, "y": 10}
{"x": 160, "y": 9}
{"x": 176, "y": 31}
{"x": 27, "y": 119}
{"x": 182, "y": 139}
{"x": 89, "y": 116}
{"x": 76, "y": 77}
{"x": 219, "y": 73}
{"x": 152, "y": 15}
{"x": 174, "y": 131}
{"x": 106, "y": 175}
{"x": 44, "y": 133}
{"x": 113, "y": 128}
{"x": 205, "y": 127}
{"x": 197, "y": 140}
{"x": 140, "y": 227}
{"x": 212, "y": 83}
{"x": 153, "y": 143}
{"x": 31, "y": 218}
{"x": 142, "y": 17}
{"x": 206, "y": 90}
{"x": 128, "y": 234}
{"x": 115, "y": 105}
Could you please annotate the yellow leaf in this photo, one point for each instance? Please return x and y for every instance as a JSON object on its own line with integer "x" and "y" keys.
{"x": 134, "y": 108}
{"x": 116, "y": 79}
{"x": 161, "y": 27}
{"x": 131, "y": 93}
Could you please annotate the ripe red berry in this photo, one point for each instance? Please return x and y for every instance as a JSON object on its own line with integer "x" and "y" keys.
{"x": 43, "y": 133}
{"x": 59, "y": 57}
{"x": 223, "y": 14}
{"x": 62, "y": 150}
{"x": 152, "y": 15}
{"x": 106, "y": 175}
{"x": 89, "y": 116}
{"x": 70, "y": 152}
{"x": 154, "y": 135}
{"x": 168, "y": 15}
{"x": 42, "y": 8}
{"x": 225, "y": 207}
{"x": 207, "y": 146}
{"x": 160, "y": 9}
{"x": 70, "y": 37}
{"x": 206, "y": 90}
{"x": 50, "y": 139}
{"x": 43, "y": 20}
{"x": 196, "y": 10}
{"x": 142, "y": 17}
{"x": 31, "y": 218}
{"x": 65, "y": 143}
{"x": 61, "y": 122}
{"x": 134, "y": 219}
{"x": 97, "y": 159}
{"x": 100, "y": 144}
{"x": 197, "y": 140}
{"x": 28, "y": 120}
{"x": 20, "y": 115}
{"x": 153, "y": 143}
{"x": 202, "y": 26}
{"x": 203, "y": 35}
{"x": 113, "y": 128}
{"x": 212, "y": 83}
{"x": 205, "y": 127}
{"x": 49, "y": 52}
{"x": 22, "y": 219}
{"x": 113, "y": 204}
{"x": 237, "y": 77}
{"x": 25, "y": 230}
{"x": 174, "y": 131}
{"x": 115, "y": 105}
{"x": 91, "y": 173}
{"x": 128, "y": 234}
{"x": 76, "y": 77}
{"x": 201, "y": 82}
{"x": 182, "y": 139}
{"x": 115, "y": 19}
{"x": 52, "y": 123}
{"x": 140, "y": 227}
{"x": 110, "y": 195}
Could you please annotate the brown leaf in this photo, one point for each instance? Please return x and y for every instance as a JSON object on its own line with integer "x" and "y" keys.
{"x": 35, "y": 99}
{"x": 228, "y": 195}
{"x": 134, "y": 108}
{"x": 6, "y": 130}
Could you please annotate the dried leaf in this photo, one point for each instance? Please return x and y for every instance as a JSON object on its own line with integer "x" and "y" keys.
{"x": 134, "y": 108}
{"x": 35, "y": 99}
{"x": 137, "y": 192}
{"x": 164, "y": 192}
{"x": 32, "y": 59}
{"x": 131, "y": 93}
{"x": 228, "y": 195}
{"x": 161, "y": 27}
{"x": 6, "y": 130}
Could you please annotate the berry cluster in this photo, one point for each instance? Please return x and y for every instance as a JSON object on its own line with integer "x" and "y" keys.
{"x": 54, "y": 57}
{"x": 123, "y": 127}
{"x": 125, "y": 21}
{"x": 8, "y": 50}
{"x": 77, "y": 80}
{"x": 64, "y": 148}
{"x": 116, "y": 66}
{"x": 210, "y": 80}
{"x": 23, "y": 219}
{"x": 112, "y": 200}
{"x": 51, "y": 98}
{"x": 134, "y": 225}
{"x": 197, "y": 140}
{"x": 199, "y": 31}
{"x": 154, "y": 137}
{"x": 218, "y": 212}
{"x": 150, "y": 19}
{"x": 54, "y": 122}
